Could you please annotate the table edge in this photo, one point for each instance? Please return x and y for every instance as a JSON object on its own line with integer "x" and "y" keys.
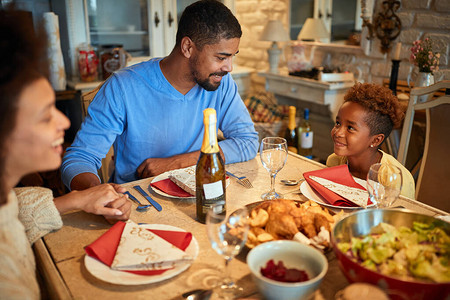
{"x": 55, "y": 285}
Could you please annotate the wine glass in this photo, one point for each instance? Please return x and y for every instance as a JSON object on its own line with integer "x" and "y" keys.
{"x": 384, "y": 184}
{"x": 273, "y": 152}
{"x": 227, "y": 235}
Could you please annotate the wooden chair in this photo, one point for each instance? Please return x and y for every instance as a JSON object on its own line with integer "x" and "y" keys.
{"x": 433, "y": 184}
{"x": 403, "y": 90}
{"x": 107, "y": 162}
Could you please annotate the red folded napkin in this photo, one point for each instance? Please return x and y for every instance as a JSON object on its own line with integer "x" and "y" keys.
{"x": 105, "y": 247}
{"x": 339, "y": 174}
{"x": 169, "y": 187}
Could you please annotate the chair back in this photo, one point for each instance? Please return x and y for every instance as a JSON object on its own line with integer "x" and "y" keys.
{"x": 433, "y": 184}
{"x": 86, "y": 98}
{"x": 107, "y": 163}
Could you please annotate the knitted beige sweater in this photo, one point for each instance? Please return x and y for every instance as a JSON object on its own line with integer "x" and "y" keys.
{"x": 25, "y": 218}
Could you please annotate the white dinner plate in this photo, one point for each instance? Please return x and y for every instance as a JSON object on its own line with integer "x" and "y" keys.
{"x": 105, "y": 273}
{"x": 309, "y": 193}
{"x": 165, "y": 176}
{"x": 161, "y": 193}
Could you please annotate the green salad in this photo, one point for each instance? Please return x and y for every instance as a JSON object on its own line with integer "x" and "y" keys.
{"x": 421, "y": 252}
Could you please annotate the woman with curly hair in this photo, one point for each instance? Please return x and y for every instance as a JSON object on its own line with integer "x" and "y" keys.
{"x": 363, "y": 123}
{"x": 31, "y": 134}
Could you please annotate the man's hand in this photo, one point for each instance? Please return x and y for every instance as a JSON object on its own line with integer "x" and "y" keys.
{"x": 118, "y": 188}
{"x": 155, "y": 166}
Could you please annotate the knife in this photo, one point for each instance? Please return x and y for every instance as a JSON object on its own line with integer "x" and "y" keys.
{"x": 149, "y": 199}
{"x": 355, "y": 195}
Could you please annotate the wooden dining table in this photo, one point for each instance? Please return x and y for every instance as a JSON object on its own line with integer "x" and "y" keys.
{"x": 60, "y": 255}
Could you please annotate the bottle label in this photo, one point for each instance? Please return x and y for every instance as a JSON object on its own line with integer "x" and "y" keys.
{"x": 111, "y": 65}
{"x": 217, "y": 207}
{"x": 306, "y": 140}
{"x": 213, "y": 190}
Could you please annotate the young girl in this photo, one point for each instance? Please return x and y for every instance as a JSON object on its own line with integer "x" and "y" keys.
{"x": 364, "y": 121}
{"x": 31, "y": 134}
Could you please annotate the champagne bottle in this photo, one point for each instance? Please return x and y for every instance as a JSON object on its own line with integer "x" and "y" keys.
{"x": 291, "y": 135}
{"x": 210, "y": 171}
{"x": 305, "y": 136}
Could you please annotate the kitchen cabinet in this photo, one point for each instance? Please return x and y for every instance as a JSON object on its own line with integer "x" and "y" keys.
{"x": 143, "y": 27}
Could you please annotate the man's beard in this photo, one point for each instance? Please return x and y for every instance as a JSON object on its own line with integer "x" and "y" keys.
{"x": 205, "y": 83}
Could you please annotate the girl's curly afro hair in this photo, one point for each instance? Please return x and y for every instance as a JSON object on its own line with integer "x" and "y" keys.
{"x": 382, "y": 107}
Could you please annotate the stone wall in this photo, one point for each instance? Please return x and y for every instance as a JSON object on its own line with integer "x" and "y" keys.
{"x": 420, "y": 19}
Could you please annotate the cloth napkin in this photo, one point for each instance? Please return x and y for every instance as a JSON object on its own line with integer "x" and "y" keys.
{"x": 184, "y": 178}
{"x": 169, "y": 187}
{"x": 339, "y": 174}
{"x": 105, "y": 247}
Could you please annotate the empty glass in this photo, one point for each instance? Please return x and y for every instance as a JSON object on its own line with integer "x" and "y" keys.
{"x": 273, "y": 152}
{"x": 227, "y": 235}
{"x": 384, "y": 184}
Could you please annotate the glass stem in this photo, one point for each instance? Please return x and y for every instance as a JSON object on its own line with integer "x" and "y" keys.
{"x": 272, "y": 182}
{"x": 227, "y": 278}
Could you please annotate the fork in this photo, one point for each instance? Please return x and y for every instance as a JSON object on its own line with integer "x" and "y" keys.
{"x": 242, "y": 180}
{"x": 140, "y": 207}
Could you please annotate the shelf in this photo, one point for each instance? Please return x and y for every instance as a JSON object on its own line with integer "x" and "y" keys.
{"x": 329, "y": 94}
{"x": 118, "y": 32}
{"x": 334, "y": 47}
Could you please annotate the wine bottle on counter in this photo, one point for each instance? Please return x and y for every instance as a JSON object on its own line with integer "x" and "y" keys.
{"x": 305, "y": 136}
{"x": 210, "y": 171}
{"x": 291, "y": 134}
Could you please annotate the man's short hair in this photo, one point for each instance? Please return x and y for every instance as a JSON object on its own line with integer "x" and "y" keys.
{"x": 206, "y": 22}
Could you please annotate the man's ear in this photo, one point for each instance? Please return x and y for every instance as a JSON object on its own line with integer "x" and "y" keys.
{"x": 187, "y": 46}
{"x": 377, "y": 139}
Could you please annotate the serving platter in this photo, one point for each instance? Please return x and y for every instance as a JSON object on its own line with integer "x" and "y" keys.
{"x": 298, "y": 204}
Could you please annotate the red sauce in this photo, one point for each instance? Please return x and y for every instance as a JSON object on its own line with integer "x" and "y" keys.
{"x": 279, "y": 272}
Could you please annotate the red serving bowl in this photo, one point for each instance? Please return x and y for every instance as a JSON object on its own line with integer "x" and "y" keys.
{"x": 360, "y": 223}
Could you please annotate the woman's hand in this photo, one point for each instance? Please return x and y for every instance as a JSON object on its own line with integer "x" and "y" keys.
{"x": 103, "y": 200}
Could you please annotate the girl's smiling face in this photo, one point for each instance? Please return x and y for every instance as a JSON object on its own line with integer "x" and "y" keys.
{"x": 351, "y": 134}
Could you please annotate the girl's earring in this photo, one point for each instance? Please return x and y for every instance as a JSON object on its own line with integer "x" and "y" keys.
{"x": 371, "y": 146}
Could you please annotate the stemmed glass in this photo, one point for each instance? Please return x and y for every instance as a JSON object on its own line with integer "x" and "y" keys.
{"x": 384, "y": 184}
{"x": 227, "y": 235}
{"x": 273, "y": 152}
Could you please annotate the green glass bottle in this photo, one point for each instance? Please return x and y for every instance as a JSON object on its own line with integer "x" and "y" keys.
{"x": 291, "y": 134}
{"x": 306, "y": 136}
{"x": 210, "y": 171}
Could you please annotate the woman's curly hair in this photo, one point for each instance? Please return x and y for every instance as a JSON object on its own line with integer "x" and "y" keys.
{"x": 383, "y": 108}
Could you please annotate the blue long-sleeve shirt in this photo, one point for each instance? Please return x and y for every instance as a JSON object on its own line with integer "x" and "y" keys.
{"x": 142, "y": 115}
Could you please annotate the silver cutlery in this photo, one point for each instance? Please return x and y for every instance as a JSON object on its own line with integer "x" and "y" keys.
{"x": 242, "y": 180}
{"x": 197, "y": 294}
{"x": 296, "y": 191}
{"x": 155, "y": 204}
{"x": 140, "y": 206}
{"x": 291, "y": 181}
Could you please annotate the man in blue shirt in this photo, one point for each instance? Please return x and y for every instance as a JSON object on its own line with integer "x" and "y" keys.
{"x": 152, "y": 113}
